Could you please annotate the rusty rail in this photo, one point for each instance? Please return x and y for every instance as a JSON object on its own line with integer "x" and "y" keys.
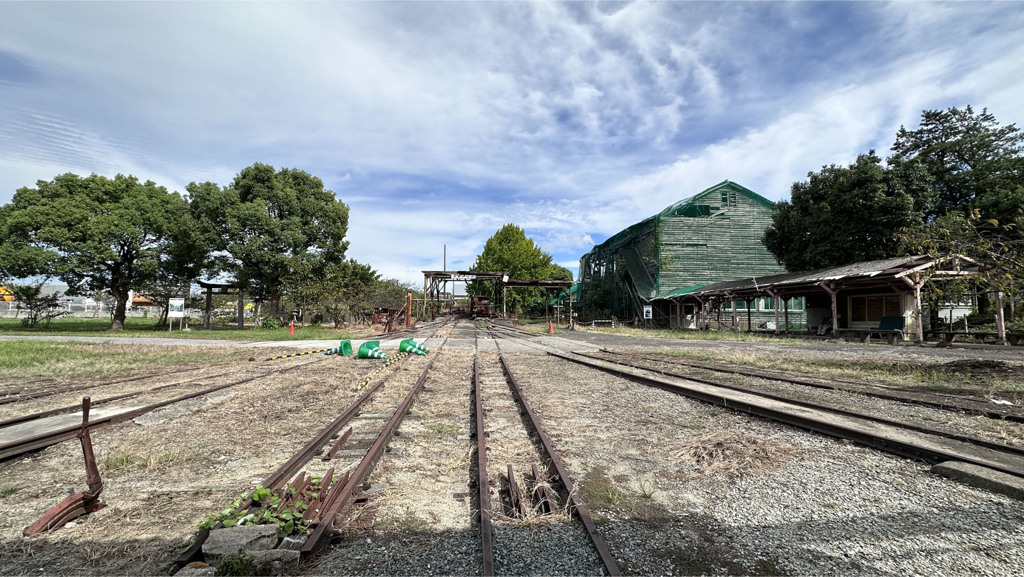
{"x": 578, "y": 506}
{"x": 932, "y": 449}
{"x": 13, "y": 448}
{"x": 483, "y": 483}
{"x": 818, "y": 406}
{"x": 341, "y": 499}
{"x": 967, "y": 405}
{"x": 103, "y": 401}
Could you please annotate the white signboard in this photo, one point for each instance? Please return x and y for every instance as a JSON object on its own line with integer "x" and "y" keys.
{"x": 648, "y": 312}
{"x": 176, "y": 309}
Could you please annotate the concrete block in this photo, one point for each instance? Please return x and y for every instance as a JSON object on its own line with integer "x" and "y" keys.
{"x": 982, "y": 478}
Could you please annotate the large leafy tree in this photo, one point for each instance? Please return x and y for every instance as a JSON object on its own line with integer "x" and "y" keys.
{"x": 272, "y": 223}
{"x": 511, "y": 251}
{"x": 975, "y": 163}
{"x": 846, "y": 214}
{"x": 94, "y": 233}
{"x": 977, "y": 167}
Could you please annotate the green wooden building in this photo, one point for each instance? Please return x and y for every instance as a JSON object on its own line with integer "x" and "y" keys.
{"x": 643, "y": 271}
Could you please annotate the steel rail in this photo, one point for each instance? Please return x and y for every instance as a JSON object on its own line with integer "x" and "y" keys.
{"x": 578, "y": 506}
{"x": 483, "y": 482}
{"x": 347, "y": 494}
{"x": 13, "y": 448}
{"x": 932, "y": 450}
{"x": 293, "y": 464}
{"x": 72, "y": 408}
{"x": 973, "y": 407}
{"x": 813, "y": 405}
{"x": 16, "y": 397}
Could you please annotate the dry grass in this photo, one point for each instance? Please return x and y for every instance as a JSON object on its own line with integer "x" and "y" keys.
{"x": 729, "y": 454}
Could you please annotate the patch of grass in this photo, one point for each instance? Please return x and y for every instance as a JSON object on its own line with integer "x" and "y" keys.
{"x": 33, "y": 359}
{"x": 125, "y": 459}
{"x": 733, "y": 454}
{"x": 146, "y": 327}
{"x": 8, "y": 489}
{"x": 691, "y": 335}
{"x": 647, "y": 489}
{"x": 442, "y": 430}
{"x": 119, "y": 459}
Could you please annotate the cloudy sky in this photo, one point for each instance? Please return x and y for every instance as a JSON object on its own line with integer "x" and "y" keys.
{"x": 437, "y": 123}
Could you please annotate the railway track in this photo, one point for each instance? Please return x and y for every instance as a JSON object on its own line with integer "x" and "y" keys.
{"x": 401, "y": 448}
{"x": 936, "y": 400}
{"x": 319, "y": 484}
{"x": 927, "y": 444}
{"x": 930, "y": 444}
{"x": 536, "y": 484}
{"x": 17, "y": 442}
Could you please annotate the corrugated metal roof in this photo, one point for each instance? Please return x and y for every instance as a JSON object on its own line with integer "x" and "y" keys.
{"x": 875, "y": 269}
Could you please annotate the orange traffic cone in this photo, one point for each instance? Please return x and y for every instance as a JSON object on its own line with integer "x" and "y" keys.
{"x": 291, "y": 328}
{"x": 551, "y": 328}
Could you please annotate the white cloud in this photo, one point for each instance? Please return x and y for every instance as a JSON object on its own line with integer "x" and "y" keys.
{"x": 440, "y": 122}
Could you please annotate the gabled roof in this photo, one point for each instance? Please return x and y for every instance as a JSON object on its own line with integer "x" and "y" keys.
{"x": 686, "y": 207}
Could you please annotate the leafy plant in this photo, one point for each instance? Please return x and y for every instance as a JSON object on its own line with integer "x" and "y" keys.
{"x": 263, "y": 506}
{"x": 8, "y": 489}
{"x": 239, "y": 564}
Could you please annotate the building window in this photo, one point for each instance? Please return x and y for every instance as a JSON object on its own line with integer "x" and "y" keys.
{"x": 871, "y": 308}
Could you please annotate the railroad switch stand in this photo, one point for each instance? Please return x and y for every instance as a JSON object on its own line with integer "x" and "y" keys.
{"x": 80, "y": 503}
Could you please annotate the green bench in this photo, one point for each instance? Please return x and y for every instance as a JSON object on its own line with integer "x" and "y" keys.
{"x": 889, "y": 328}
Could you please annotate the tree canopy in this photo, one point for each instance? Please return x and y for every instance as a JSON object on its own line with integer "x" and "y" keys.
{"x": 511, "y": 251}
{"x": 93, "y": 233}
{"x": 271, "y": 223}
{"x": 975, "y": 163}
{"x": 845, "y": 214}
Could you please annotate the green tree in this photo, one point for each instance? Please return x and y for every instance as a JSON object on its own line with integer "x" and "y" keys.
{"x": 511, "y": 251}
{"x": 975, "y": 163}
{"x": 842, "y": 215}
{"x": 272, "y": 223}
{"x": 93, "y": 233}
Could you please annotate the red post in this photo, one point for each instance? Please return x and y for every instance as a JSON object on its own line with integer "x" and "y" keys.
{"x": 408, "y": 310}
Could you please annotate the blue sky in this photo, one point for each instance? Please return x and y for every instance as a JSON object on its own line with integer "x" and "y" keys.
{"x": 440, "y": 122}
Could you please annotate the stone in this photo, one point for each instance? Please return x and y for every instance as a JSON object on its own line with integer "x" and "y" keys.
{"x": 190, "y": 571}
{"x": 292, "y": 542}
{"x": 276, "y": 557}
{"x": 248, "y": 538}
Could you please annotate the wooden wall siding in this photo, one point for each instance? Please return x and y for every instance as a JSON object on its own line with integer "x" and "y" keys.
{"x": 726, "y": 245}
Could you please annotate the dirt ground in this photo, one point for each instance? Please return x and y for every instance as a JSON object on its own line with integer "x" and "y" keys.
{"x": 665, "y": 477}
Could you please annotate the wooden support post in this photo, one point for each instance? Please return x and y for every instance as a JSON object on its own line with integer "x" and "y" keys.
{"x": 831, "y": 289}
{"x": 785, "y": 304}
{"x": 209, "y": 303}
{"x": 775, "y": 301}
{"x": 1000, "y": 321}
{"x": 749, "y": 328}
{"x": 241, "y": 308}
{"x": 735, "y": 320}
{"x": 916, "y": 283}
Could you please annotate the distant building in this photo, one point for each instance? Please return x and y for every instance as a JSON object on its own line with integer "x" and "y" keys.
{"x": 713, "y": 236}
